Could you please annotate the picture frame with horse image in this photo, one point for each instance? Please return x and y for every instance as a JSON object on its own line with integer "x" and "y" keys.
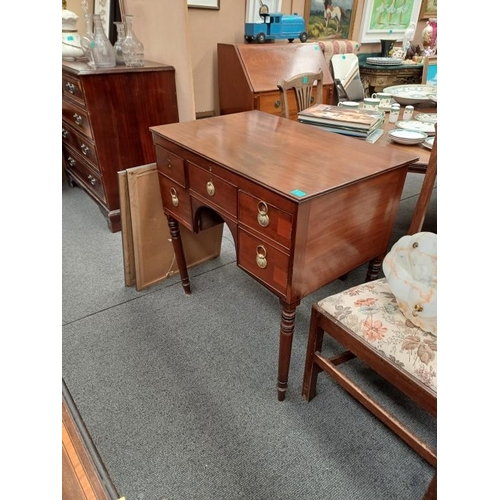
{"x": 330, "y": 19}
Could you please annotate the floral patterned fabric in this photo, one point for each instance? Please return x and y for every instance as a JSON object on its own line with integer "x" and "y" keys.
{"x": 370, "y": 310}
{"x": 330, "y": 47}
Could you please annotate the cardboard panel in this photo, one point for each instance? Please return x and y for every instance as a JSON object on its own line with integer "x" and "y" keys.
{"x": 147, "y": 249}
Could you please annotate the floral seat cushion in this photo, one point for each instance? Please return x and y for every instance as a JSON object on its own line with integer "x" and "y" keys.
{"x": 370, "y": 310}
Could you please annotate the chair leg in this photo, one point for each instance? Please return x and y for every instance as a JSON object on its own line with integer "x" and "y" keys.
{"x": 311, "y": 369}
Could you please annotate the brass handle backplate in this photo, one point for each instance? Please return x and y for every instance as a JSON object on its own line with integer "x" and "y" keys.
{"x": 261, "y": 256}
{"x": 210, "y": 188}
{"x": 277, "y": 104}
{"x": 175, "y": 198}
{"x": 92, "y": 179}
{"x": 65, "y": 133}
{"x": 78, "y": 119}
{"x": 262, "y": 217}
{"x": 84, "y": 148}
{"x": 71, "y": 161}
{"x": 70, "y": 87}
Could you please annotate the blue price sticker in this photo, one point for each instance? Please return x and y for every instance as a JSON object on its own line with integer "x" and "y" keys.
{"x": 298, "y": 192}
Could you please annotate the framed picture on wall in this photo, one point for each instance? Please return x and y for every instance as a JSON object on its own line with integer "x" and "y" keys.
{"x": 330, "y": 19}
{"x": 387, "y": 19}
{"x": 428, "y": 9}
{"x": 203, "y": 4}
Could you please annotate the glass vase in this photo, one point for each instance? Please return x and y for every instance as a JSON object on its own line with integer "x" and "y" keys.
{"x": 132, "y": 47}
{"x": 103, "y": 52}
{"x": 120, "y": 30}
{"x": 86, "y": 39}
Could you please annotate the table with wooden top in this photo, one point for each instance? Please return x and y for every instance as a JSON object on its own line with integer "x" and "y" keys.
{"x": 304, "y": 206}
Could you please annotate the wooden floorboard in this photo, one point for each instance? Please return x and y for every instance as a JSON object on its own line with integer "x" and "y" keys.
{"x": 84, "y": 477}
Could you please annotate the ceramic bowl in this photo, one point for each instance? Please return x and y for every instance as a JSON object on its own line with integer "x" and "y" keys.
{"x": 412, "y": 94}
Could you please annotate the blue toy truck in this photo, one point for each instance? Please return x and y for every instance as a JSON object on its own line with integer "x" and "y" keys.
{"x": 276, "y": 26}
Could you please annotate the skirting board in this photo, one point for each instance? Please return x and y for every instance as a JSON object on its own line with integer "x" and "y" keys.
{"x": 148, "y": 255}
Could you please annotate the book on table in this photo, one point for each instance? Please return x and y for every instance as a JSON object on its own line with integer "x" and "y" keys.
{"x": 328, "y": 114}
{"x": 355, "y": 122}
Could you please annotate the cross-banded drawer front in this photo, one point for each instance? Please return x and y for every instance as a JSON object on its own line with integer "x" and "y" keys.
{"x": 171, "y": 165}
{"x": 78, "y": 117}
{"x": 72, "y": 88}
{"x": 80, "y": 143}
{"x": 265, "y": 218}
{"x": 176, "y": 200}
{"x": 216, "y": 191}
{"x": 263, "y": 261}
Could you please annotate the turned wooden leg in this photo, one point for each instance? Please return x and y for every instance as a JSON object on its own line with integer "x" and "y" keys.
{"x": 179, "y": 253}
{"x": 287, "y": 327}
{"x": 374, "y": 268}
{"x": 311, "y": 369}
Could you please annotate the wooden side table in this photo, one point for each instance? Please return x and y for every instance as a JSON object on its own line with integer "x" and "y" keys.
{"x": 375, "y": 78}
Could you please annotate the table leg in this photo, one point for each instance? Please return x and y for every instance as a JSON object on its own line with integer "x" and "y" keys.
{"x": 287, "y": 327}
{"x": 179, "y": 253}
{"x": 374, "y": 268}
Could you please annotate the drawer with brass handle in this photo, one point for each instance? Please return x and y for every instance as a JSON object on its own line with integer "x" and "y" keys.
{"x": 175, "y": 200}
{"x": 263, "y": 260}
{"x": 171, "y": 165}
{"x": 216, "y": 191}
{"x": 80, "y": 143}
{"x": 77, "y": 117}
{"x": 265, "y": 218}
{"x": 72, "y": 88}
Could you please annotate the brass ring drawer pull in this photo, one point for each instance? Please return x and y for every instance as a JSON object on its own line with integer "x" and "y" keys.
{"x": 71, "y": 161}
{"x": 261, "y": 256}
{"x": 262, "y": 217}
{"x": 92, "y": 180}
{"x": 175, "y": 198}
{"x": 84, "y": 148}
{"x": 65, "y": 133}
{"x": 78, "y": 119}
{"x": 210, "y": 188}
{"x": 70, "y": 87}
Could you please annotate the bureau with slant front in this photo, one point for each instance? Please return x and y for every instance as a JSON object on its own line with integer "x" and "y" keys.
{"x": 304, "y": 206}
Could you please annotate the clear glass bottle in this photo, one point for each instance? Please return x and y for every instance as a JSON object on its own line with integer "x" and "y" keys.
{"x": 120, "y": 30}
{"x": 132, "y": 47}
{"x": 102, "y": 50}
{"x": 86, "y": 39}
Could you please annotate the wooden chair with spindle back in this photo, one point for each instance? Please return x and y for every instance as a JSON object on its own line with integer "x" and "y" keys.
{"x": 302, "y": 86}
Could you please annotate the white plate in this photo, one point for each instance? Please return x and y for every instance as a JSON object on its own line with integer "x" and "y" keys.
{"x": 426, "y": 117}
{"x": 426, "y": 127}
{"x": 428, "y": 143}
{"x": 412, "y": 94}
{"x": 408, "y": 137}
{"x": 384, "y": 61}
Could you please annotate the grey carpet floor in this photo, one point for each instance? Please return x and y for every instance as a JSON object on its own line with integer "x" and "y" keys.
{"x": 178, "y": 392}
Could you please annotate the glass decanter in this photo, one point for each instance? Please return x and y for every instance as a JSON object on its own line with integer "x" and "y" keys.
{"x": 132, "y": 47}
{"x": 86, "y": 39}
{"x": 120, "y": 30}
{"x": 102, "y": 50}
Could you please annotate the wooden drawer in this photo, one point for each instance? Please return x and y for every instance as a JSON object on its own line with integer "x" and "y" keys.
{"x": 87, "y": 176}
{"x": 271, "y": 102}
{"x": 171, "y": 165}
{"x": 72, "y": 88}
{"x": 80, "y": 143}
{"x": 78, "y": 117}
{"x": 215, "y": 191}
{"x": 176, "y": 200}
{"x": 273, "y": 270}
{"x": 265, "y": 218}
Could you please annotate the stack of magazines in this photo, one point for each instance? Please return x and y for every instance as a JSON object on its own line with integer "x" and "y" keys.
{"x": 342, "y": 120}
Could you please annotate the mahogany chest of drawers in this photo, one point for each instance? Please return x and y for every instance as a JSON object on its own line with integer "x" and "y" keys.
{"x": 106, "y": 115}
{"x": 248, "y": 74}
